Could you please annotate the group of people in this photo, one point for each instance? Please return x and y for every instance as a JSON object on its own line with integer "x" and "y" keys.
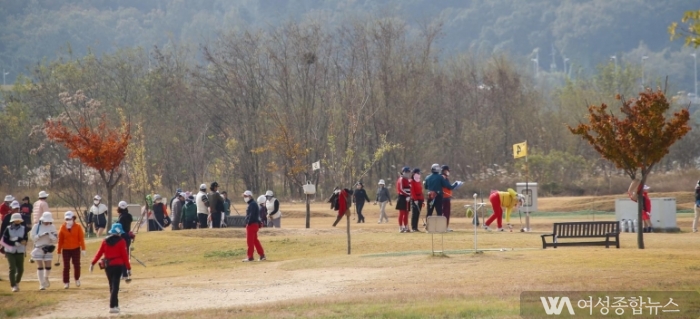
{"x": 68, "y": 241}
{"x": 413, "y": 195}
{"x": 188, "y": 210}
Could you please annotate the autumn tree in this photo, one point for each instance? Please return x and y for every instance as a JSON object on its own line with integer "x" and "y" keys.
{"x": 91, "y": 138}
{"x": 637, "y": 139}
{"x": 689, "y": 29}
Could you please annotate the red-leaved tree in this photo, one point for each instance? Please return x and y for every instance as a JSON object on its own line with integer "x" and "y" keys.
{"x": 89, "y": 137}
{"x": 636, "y": 140}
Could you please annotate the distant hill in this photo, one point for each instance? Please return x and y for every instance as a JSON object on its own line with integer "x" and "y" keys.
{"x": 587, "y": 32}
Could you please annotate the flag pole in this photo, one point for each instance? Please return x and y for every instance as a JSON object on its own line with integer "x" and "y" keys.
{"x": 527, "y": 193}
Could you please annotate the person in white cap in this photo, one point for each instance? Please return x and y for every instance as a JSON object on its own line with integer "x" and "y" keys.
{"x": 383, "y": 198}
{"x": 5, "y": 207}
{"x": 14, "y": 208}
{"x": 274, "y": 215}
{"x": 71, "y": 245}
{"x": 98, "y": 215}
{"x": 45, "y": 237}
{"x": 40, "y": 206}
{"x": 160, "y": 215}
{"x": 202, "y": 206}
{"x": 14, "y": 239}
{"x": 252, "y": 225}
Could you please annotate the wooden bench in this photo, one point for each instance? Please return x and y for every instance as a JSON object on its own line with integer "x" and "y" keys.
{"x": 605, "y": 230}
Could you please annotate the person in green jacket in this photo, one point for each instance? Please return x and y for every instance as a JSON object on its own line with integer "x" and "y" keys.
{"x": 188, "y": 220}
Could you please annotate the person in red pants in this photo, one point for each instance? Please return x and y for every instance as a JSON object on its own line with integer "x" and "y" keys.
{"x": 71, "y": 244}
{"x": 252, "y": 222}
{"x": 403, "y": 188}
{"x": 646, "y": 212}
{"x": 508, "y": 199}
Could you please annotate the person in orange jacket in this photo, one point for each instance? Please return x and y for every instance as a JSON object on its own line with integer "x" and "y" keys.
{"x": 446, "y": 196}
{"x": 71, "y": 245}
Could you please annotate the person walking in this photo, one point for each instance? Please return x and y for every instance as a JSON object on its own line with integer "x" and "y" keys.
{"x": 360, "y": 197}
{"x": 383, "y": 198}
{"x": 113, "y": 248}
{"x": 71, "y": 245}
{"x": 5, "y": 221}
{"x": 5, "y": 207}
{"x": 274, "y": 215}
{"x": 189, "y": 220}
{"x": 403, "y": 188}
{"x": 508, "y": 199}
{"x": 39, "y": 207}
{"x": 202, "y": 206}
{"x": 98, "y": 215}
{"x": 417, "y": 199}
{"x": 646, "y": 211}
{"x": 125, "y": 219}
{"x": 26, "y": 210}
{"x": 216, "y": 206}
{"x": 252, "y": 222}
{"x": 14, "y": 240}
{"x": 45, "y": 237}
{"x": 176, "y": 210}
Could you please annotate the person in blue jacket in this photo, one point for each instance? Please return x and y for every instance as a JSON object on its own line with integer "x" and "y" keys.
{"x": 434, "y": 184}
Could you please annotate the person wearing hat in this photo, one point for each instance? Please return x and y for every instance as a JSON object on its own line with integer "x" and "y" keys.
{"x": 125, "y": 219}
{"x": 383, "y": 198}
{"x": 177, "y": 193}
{"x": 508, "y": 199}
{"x": 646, "y": 210}
{"x": 216, "y": 206}
{"x": 359, "y": 197}
{"x": 176, "y": 210}
{"x": 435, "y": 184}
{"x": 71, "y": 245}
{"x": 113, "y": 249}
{"x": 159, "y": 219}
{"x": 5, "y": 207}
{"x": 98, "y": 215}
{"x": 252, "y": 222}
{"x": 446, "y": 196}
{"x": 262, "y": 202}
{"x": 188, "y": 219}
{"x": 403, "y": 188}
{"x": 14, "y": 240}
{"x": 202, "y": 206}
{"x": 274, "y": 215}
{"x": 39, "y": 207}
{"x": 45, "y": 237}
{"x": 5, "y": 221}
{"x": 417, "y": 199}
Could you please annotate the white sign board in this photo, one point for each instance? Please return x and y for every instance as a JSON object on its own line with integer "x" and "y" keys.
{"x": 663, "y": 212}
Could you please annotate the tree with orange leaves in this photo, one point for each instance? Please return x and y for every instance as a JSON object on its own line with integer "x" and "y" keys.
{"x": 87, "y": 134}
{"x": 636, "y": 140}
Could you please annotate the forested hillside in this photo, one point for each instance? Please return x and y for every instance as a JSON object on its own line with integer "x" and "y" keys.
{"x": 250, "y": 93}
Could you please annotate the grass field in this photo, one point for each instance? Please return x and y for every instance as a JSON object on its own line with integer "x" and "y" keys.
{"x": 199, "y": 274}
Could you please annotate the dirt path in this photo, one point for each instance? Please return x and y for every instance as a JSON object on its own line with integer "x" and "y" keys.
{"x": 260, "y": 284}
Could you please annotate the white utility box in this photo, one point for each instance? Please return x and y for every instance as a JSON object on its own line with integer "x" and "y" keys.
{"x": 529, "y": 190}
{"x": 663, "y": 213}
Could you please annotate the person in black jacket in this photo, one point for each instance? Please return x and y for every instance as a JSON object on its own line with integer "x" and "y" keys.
{"x": 252, "y": 222}
{"x": 26, "y": 210}
{"x": 158, "y": 223}
{"x": 125, "y": 219}
{"x": 697, "y": 206}
{"x": 359, "y": 197}
{"x": 216, "y": 206}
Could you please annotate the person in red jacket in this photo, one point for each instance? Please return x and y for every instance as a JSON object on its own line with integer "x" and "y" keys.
{"x": 403, "y": 188}
{"x": 417, "y": 199}
{"x": 5, "y": 207}
{"x": 113, "y": 249}
{"x": 341, "y": 201}
{"x": 646, "y": 212}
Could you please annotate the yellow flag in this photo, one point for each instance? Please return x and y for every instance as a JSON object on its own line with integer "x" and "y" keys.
{"x": 520, "y": 150}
